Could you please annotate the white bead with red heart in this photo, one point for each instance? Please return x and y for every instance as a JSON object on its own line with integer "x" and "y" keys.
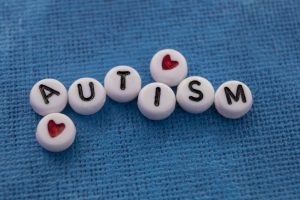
{"x": 86, "y": 96}
{"x": 233, "y": 99}
{"x": 48, "y": 96}
{"x": 156, "y": 101}
{"x": 195, "y": 94}
{"x": 122, "y": 83}
{"x": 168, "y": 66}
{"x": 56, "y": 132}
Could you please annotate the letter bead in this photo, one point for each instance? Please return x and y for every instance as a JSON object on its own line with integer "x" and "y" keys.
{"x": 168, "y": 66}
{"x": 195, "y": 94}
{"x": 86, "y": 96}
{"x": 233, "y": 99}
{"x": 156, "y": 101}
{"x": 122, "y": 83}
{"x": 48, "y": 96}
{"x": 56, "y": 132}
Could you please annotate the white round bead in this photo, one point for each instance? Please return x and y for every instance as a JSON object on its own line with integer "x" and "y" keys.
{"x": 233, "y": 99}
{"x": 168, "y": 66}
{"x": 55, "y": 132}
{"x": 195, "y": 94}
{"x": 48, "y": 96}
{"x": 86, "y": 96}
{"x": 156, "y": 101}
{"x": 122, "y": 83}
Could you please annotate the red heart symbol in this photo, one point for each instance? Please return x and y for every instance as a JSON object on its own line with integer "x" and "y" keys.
{"x": 167, "y": 63}
{"x": 55, "y": 129}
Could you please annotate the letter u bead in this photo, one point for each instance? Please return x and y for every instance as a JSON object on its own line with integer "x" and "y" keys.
{"x": 86, "y": 96}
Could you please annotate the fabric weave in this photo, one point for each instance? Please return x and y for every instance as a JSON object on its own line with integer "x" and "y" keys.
{"x": 118, "y": 154}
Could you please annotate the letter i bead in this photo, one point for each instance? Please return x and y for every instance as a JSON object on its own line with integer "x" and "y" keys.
{"x": 156, "y": 101}
{"x": 86, "y": 96}
{"x": 233, "y": 99}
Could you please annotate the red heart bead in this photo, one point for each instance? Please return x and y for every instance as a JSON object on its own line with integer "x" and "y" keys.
{"x": 168, "y": 64}
{"x": 55, "y": 129}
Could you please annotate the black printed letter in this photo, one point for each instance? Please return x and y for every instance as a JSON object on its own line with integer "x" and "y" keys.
{"x": 200, "y": 94}
{"x": 123, "y": 74}
{"x": 157, "y": 96}
{"x": 81, "y": 92}
{"x": 47, "y": 96}
{"x": 239, "y": 92}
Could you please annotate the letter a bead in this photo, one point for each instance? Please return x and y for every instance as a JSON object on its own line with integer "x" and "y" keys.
{"x": 168, "y": 66}
{"x": 48, "y": 96}
{"x": 195, "y": 94}
{"x": 233, "y": 99}
{"x": 55, "y": 132}
{"x": 156, "y": 101}
{"x": 122, "y": 83}
{"x": 86, "y": 96}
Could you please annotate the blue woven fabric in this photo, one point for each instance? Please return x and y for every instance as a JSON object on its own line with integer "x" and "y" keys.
{"x": 118, "y": 154}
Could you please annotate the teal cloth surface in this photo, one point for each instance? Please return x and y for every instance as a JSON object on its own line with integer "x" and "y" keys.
{"x": 118, "y": 154}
